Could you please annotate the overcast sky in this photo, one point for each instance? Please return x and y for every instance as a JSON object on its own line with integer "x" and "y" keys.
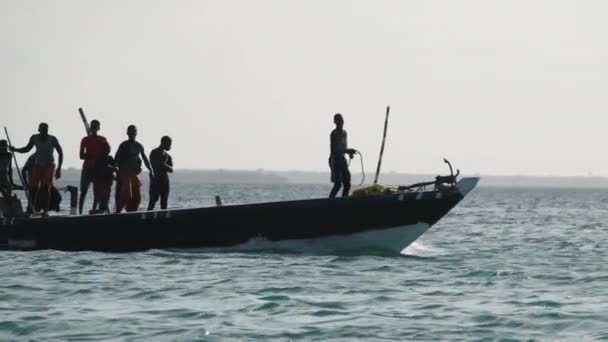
{"x": 498, "y": 87}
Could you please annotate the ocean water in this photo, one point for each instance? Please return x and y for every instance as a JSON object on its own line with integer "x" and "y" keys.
{"x": 506, "y": 263}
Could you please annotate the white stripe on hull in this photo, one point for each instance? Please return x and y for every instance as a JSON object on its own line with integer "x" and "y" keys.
{"x": 393, "y": 240}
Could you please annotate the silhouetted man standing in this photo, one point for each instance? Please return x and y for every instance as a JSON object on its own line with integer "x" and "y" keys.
{"x": 162, "y": 164}
{"x": 44, "y": 165}
{"x": 340, "y": 175}
{"x": 128, "y": 157}
{"x": 91, "y": 148}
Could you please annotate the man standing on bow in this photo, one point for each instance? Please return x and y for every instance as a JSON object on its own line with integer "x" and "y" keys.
{"x": 162, "y": 164}
{"x": 128, "y": 158}
{"x": 44, "y": 165}
{"x": 91, "y": 148}
{"x": 340, "y": 175}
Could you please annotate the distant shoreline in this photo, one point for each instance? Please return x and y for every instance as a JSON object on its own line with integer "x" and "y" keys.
{"x": 72, "y": 176}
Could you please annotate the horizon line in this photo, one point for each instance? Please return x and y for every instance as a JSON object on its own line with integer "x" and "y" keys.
{"x": 400, "y": 173}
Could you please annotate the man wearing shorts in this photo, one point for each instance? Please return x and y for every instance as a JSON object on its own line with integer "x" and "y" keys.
{"x": 91, "y": 148}
{"x": 338, "y": 146}
{"x": 43, "y": 169}
{"x": 128, "y": 157}
{"x": 162, "y": 164}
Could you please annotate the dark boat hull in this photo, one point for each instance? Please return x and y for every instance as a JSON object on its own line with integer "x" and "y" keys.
{"x": 233, "y": 225}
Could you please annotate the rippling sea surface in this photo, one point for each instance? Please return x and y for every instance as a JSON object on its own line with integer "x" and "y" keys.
{"x": 504, "y": 264}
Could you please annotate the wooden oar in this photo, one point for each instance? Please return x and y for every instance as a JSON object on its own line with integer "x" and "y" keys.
{"x": 25, "y": 189}
{"x": 84, "y": 121}
{"x": 388, "y": 109}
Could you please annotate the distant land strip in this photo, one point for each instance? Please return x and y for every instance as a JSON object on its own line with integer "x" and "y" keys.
{"x": 260, "y": 176}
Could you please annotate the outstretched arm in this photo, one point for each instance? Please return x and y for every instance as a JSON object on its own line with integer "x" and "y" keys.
{"x": 146, "y": 161}
{"x": 25, "y": 149}
{"x": 60, "y": 162}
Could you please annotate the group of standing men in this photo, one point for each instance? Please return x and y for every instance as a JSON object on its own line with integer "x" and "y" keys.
{"x": 99, "y": 169}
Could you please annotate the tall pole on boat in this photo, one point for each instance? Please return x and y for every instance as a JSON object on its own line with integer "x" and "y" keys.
{"x": 25, "y": 189}
{"x": 388, "y": 109}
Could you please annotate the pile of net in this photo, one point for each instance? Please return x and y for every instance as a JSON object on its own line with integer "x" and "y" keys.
{"x": 374, "y": 190}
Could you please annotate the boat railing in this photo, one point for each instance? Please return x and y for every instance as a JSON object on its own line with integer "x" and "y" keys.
{"x": 426, "y": 186}
{"x": 440, "y": 182}
{"x": 417, "y": 187}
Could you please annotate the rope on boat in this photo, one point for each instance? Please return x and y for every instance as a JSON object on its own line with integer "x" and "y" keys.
{"x": 362, "y": 168}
